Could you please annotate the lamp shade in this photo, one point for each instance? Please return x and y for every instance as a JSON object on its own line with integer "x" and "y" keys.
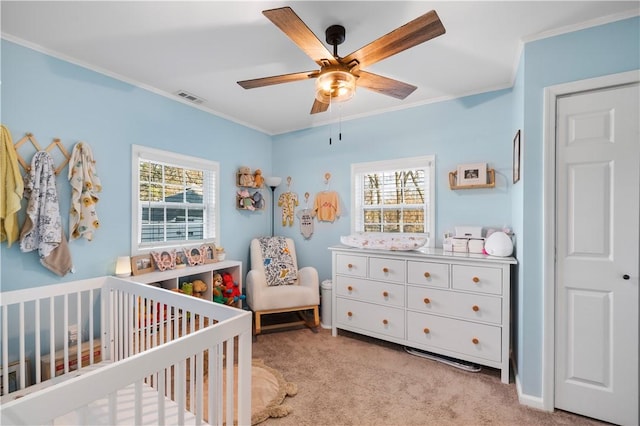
{"x": 272, "y": 181}
{"x": 123, "y": 266}
{"x": 335, "y": 85}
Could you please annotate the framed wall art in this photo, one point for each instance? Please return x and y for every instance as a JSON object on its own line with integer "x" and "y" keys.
{"x": 472, "y": 174}
{"x": 141, "y": 264}
{"x": 517, "y": 156}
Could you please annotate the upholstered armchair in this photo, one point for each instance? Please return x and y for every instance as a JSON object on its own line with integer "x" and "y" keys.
{"x": 275, "y": 284}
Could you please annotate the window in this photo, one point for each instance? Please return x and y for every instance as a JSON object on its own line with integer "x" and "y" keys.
{"x": 174, "y": 198}
{"x": 394, "y": 196}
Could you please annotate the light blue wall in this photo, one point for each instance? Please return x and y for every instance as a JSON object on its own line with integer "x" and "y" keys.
{"x": 602, "y": 50}
{"x": 467, "y": 130}
{"x": 52, "y": 98}
{"x": 517, "y": 213}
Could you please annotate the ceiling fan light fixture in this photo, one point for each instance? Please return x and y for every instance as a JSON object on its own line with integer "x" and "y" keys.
{"x": 335, "y": 86}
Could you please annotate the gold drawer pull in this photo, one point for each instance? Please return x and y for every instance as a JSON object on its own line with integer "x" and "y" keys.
{"x": 475, "y": 280}
{"x": 349, "y": 288}
{"x": 475, "y": 340}
{"x": 385, "y": 322}
{"x": 349, "y": 314}
{"x": 350, "y": 266}
{"x": 475, "y": 308}
{"x": 427, "y": 301}
{"x": 426, "y": 330}
{"x": 385, "y": 270}
{"x": 385, "y": 294}
{"x": 427, "y": 275}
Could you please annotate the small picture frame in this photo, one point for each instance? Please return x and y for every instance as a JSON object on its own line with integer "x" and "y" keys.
{"x": 210, "y": 254}
{"x": 472, "y": 174}
{"x": 164, "y": 260}
{"x": 517, "y": 156}
{"x": 141, "y": 264}
{"x": 195, "y": 255}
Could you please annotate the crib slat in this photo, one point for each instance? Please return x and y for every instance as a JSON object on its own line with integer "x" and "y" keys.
{"x": 78, "y": 330}
{"x": 52, "y": 337}
{"x": 65, "y": 342}
{"x": 38, "y": 327}
{"x": 138, "y": 402}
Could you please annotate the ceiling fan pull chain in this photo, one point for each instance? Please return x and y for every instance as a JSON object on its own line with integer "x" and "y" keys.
{"x": 330, "y": 126}
{"x": 340, "y": 124}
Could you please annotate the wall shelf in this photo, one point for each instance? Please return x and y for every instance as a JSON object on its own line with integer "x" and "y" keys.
{"x": 491, "y": 181}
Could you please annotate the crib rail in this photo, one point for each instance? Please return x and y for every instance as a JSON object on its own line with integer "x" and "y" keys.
{"x": 177, "y": 345}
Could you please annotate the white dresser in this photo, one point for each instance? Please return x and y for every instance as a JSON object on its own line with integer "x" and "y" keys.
{"x": 453, "y": 304}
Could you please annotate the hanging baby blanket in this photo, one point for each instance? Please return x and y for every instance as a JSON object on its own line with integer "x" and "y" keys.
{"x": 85, "y": 186}
{"x": 42, "y": 229}
{"x": 11, "y": 188}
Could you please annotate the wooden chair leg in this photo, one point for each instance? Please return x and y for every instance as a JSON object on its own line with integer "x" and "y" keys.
{"x": 258, "y": 325}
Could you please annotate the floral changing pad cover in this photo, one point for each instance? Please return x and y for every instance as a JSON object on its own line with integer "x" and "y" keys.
{"x": 380, "y": 241}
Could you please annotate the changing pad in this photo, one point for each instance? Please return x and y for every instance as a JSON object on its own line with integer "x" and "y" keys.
{"x": 381, "y": 241}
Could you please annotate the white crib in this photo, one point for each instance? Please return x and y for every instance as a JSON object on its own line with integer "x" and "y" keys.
{"x": 148, "y": 356}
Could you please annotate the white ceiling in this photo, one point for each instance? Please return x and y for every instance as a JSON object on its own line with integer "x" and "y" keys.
{"x": 205, "y": 47}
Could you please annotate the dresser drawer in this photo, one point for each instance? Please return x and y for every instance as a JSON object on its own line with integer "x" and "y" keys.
{"x": 378, "y": 319}
{"x": 478, "y": 340}
{"x": 386, "y": 269}
{"x": 370, "y": 291}
{"x": 462, "y": 305}
{"x": 477, "y": 278}
{"x": 351, "y": 265}
{"x": 428, "y": 273}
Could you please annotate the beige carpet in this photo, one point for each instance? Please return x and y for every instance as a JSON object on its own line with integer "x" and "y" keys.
{"x": 355, "y": 380}
{"x": 269, "y": 389}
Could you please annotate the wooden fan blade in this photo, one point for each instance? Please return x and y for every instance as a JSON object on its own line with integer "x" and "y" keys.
{"x": 290, "y": 24}
{"x": 278, "y": 79}
{"x": 318, "y": 107}
{"x": 402, "y": 38}
{"x": 386, "y": 86}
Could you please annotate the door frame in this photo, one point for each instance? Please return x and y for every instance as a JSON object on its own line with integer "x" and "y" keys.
{"x": 551, "y": 93}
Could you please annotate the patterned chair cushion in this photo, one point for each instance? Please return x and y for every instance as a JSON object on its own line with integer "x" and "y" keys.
{"x": 279, "y": 267}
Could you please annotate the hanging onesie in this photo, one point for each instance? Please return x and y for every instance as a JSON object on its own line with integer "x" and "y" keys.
{"x": 326, "y": 206}
{"x": 288, "y": 201}
{"x": 306, "y": 222}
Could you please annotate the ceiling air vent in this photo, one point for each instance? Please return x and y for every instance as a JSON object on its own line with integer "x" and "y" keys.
{"x": 189, "y": 97}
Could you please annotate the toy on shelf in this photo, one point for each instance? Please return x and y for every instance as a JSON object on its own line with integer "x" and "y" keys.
{"x": 245, "y": 201}
{"x": 258, "y": 179}
{"x": 245, "y": 177}
{"x": 232, "y": 290}
{"x": 258, "y": 200}
{"x": 199, "y": 287}
{"x": 219, "y": 290}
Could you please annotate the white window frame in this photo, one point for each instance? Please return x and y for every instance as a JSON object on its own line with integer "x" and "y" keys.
{"x": 142, "y": 152}
{"x": 427, "y": 163}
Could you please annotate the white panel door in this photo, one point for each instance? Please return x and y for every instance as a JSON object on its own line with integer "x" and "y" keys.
{"x": 597, "y": 254}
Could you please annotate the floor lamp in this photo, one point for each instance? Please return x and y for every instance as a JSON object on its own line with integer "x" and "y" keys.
{"x": 273, "y": 182}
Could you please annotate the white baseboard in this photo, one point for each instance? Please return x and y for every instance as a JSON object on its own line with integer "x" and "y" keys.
{"x": 524, "y": 399}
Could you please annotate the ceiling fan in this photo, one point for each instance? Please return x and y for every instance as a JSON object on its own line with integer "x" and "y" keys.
{"x": 338, "y": 76}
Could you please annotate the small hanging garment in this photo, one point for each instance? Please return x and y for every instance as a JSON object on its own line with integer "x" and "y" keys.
{"x": 306, "y": 222}
{"x": 326, "y": 206}
{"x": 288, "y": 201}
{"x": 85, "y": 186}
{"x": 11, "y": 188}
{"x": 42, "y": 228}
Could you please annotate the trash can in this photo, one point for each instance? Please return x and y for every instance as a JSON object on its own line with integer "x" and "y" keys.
{"x": 325, "y": 304}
